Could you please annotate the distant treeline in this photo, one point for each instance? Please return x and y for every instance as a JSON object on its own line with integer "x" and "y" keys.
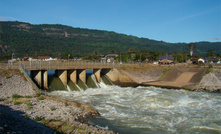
{"x": 25, "y": 39}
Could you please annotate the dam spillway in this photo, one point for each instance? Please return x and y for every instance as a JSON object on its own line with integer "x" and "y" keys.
{"x": 68, "y": 79}
{"x": 147, "y": 109}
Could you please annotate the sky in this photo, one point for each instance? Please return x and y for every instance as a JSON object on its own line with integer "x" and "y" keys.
{"x": 163, "y": 20}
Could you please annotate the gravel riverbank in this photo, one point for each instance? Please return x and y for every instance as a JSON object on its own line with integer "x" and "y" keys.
{"x": 22, "y": 110}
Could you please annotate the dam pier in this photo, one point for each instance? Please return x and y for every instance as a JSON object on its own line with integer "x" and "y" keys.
{"x": 41, "y": 77}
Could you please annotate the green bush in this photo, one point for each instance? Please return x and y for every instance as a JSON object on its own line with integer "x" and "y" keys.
{"x": 40, "y": 98}
{"x": 28, "y": 96}
{"x": 29, "y": 104}
{"x": 66, "y": 104}
{"x": 53, "y": 108}
{"x": 38, "y": 94}
{"x": 16, "y": 96}
{"x": 210, "y": 66}
{"x": 16, "y": 103}
{"x": 21, "y": 73}
{"x": 26, "y": 116}
{"x": 38, "y": 118}
{"x": 8, "y": 76}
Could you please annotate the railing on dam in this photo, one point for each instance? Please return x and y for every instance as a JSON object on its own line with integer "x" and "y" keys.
{"x": 62, "y": 64}
{"x": 50, "y": 65}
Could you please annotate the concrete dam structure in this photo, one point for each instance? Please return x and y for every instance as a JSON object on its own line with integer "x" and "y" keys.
{"x": 180, "y": 78}
{"x": 69, "y": 79}
{"x": 83, "y": 77}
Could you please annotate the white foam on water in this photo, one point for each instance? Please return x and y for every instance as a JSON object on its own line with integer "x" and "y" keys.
{"x": 211, "y": 127}
{"x": 155, "y": 109}
{"x": 102, "y": 84}
{"x": 69, "y": 89}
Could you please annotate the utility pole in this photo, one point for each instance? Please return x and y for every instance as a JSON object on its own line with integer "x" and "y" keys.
{"x": 68, "y": 59}
{"x": 120, "y": 58}
{"x": 68, "y": 56}
{"x": 12, "y": 59}
{"x": 12, "y": 55}
{"x": 140, "y": 58}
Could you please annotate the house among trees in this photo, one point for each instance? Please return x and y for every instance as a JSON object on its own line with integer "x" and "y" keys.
{"x": 111, "y": 57}
{"x": 197, "y": 60}
{"x": 213, "y": 59}
{"x": 166, "y": 60}
{"x": 44, "y": 58}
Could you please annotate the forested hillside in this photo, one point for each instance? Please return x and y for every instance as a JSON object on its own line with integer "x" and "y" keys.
{"x": 24, "y": 39}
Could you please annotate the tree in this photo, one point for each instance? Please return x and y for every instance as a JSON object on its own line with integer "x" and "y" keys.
{"x": 210, "y": 53}
{"x": 191, "y": 47}
{"x": 131, "y": 49}
{"x": 179, "y": 57}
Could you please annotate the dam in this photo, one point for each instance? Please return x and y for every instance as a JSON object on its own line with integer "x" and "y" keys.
{"x": 69, "y": 79}
{"x": 141, "y": 109}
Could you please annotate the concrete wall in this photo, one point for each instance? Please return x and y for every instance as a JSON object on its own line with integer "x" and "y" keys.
{"x": 36, "y": 75}
{"x": 45, "y": 79}
{"x": 97, "y": 73}
{"x": 81, "y": 73}
{"x": 72, "y": 74}
{"x": 40, "y": 77}
{"x": 118, "y": 78}
{"x": 62, "y": 75}
{"x": 190, "y": 75}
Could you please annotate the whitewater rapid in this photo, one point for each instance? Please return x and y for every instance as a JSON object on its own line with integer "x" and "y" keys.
{"x": 151, "y": 109}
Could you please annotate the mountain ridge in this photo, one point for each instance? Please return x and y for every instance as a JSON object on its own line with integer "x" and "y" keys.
{"x": 24, "y": 38}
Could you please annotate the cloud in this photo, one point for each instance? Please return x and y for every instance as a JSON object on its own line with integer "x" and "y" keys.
{"x": 217, "y": 38}
{"x": 208, "y": 11}
{"x": 3, "y": 18}
{"x": 191, "y": 16}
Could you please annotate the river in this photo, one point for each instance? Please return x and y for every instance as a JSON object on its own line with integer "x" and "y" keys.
{"x": 151, "y": 109}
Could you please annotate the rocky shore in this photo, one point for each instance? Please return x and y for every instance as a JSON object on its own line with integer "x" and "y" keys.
{"x": 23, "y": 110}
{"x": 210, "y": 82}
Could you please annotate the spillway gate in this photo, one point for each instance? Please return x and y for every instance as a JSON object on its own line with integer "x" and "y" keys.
{"x": 40, "y": 77}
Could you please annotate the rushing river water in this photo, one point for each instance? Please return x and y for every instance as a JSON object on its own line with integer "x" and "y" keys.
{"x": 151, "y": 109}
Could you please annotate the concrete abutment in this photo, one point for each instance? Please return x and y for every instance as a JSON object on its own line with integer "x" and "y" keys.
{"x": 82, "y": 75}
{"x": 97, "y": 73}
{"x": 40, "y": 77}
{"x": 62, "y": 75}
{"x": 72, "y": 74}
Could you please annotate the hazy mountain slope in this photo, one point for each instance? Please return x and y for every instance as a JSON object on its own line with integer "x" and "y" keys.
{"x": 26, "y": 39}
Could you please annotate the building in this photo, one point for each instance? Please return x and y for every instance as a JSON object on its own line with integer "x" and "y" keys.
{"x": 44, "y": 58}
{"x": 111, "y": 57}
{"x": 213, "y": 59}
{"x": 166, "y": 60}
{"x": 197, "y": 60}
{"x": 169, "y": 57}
